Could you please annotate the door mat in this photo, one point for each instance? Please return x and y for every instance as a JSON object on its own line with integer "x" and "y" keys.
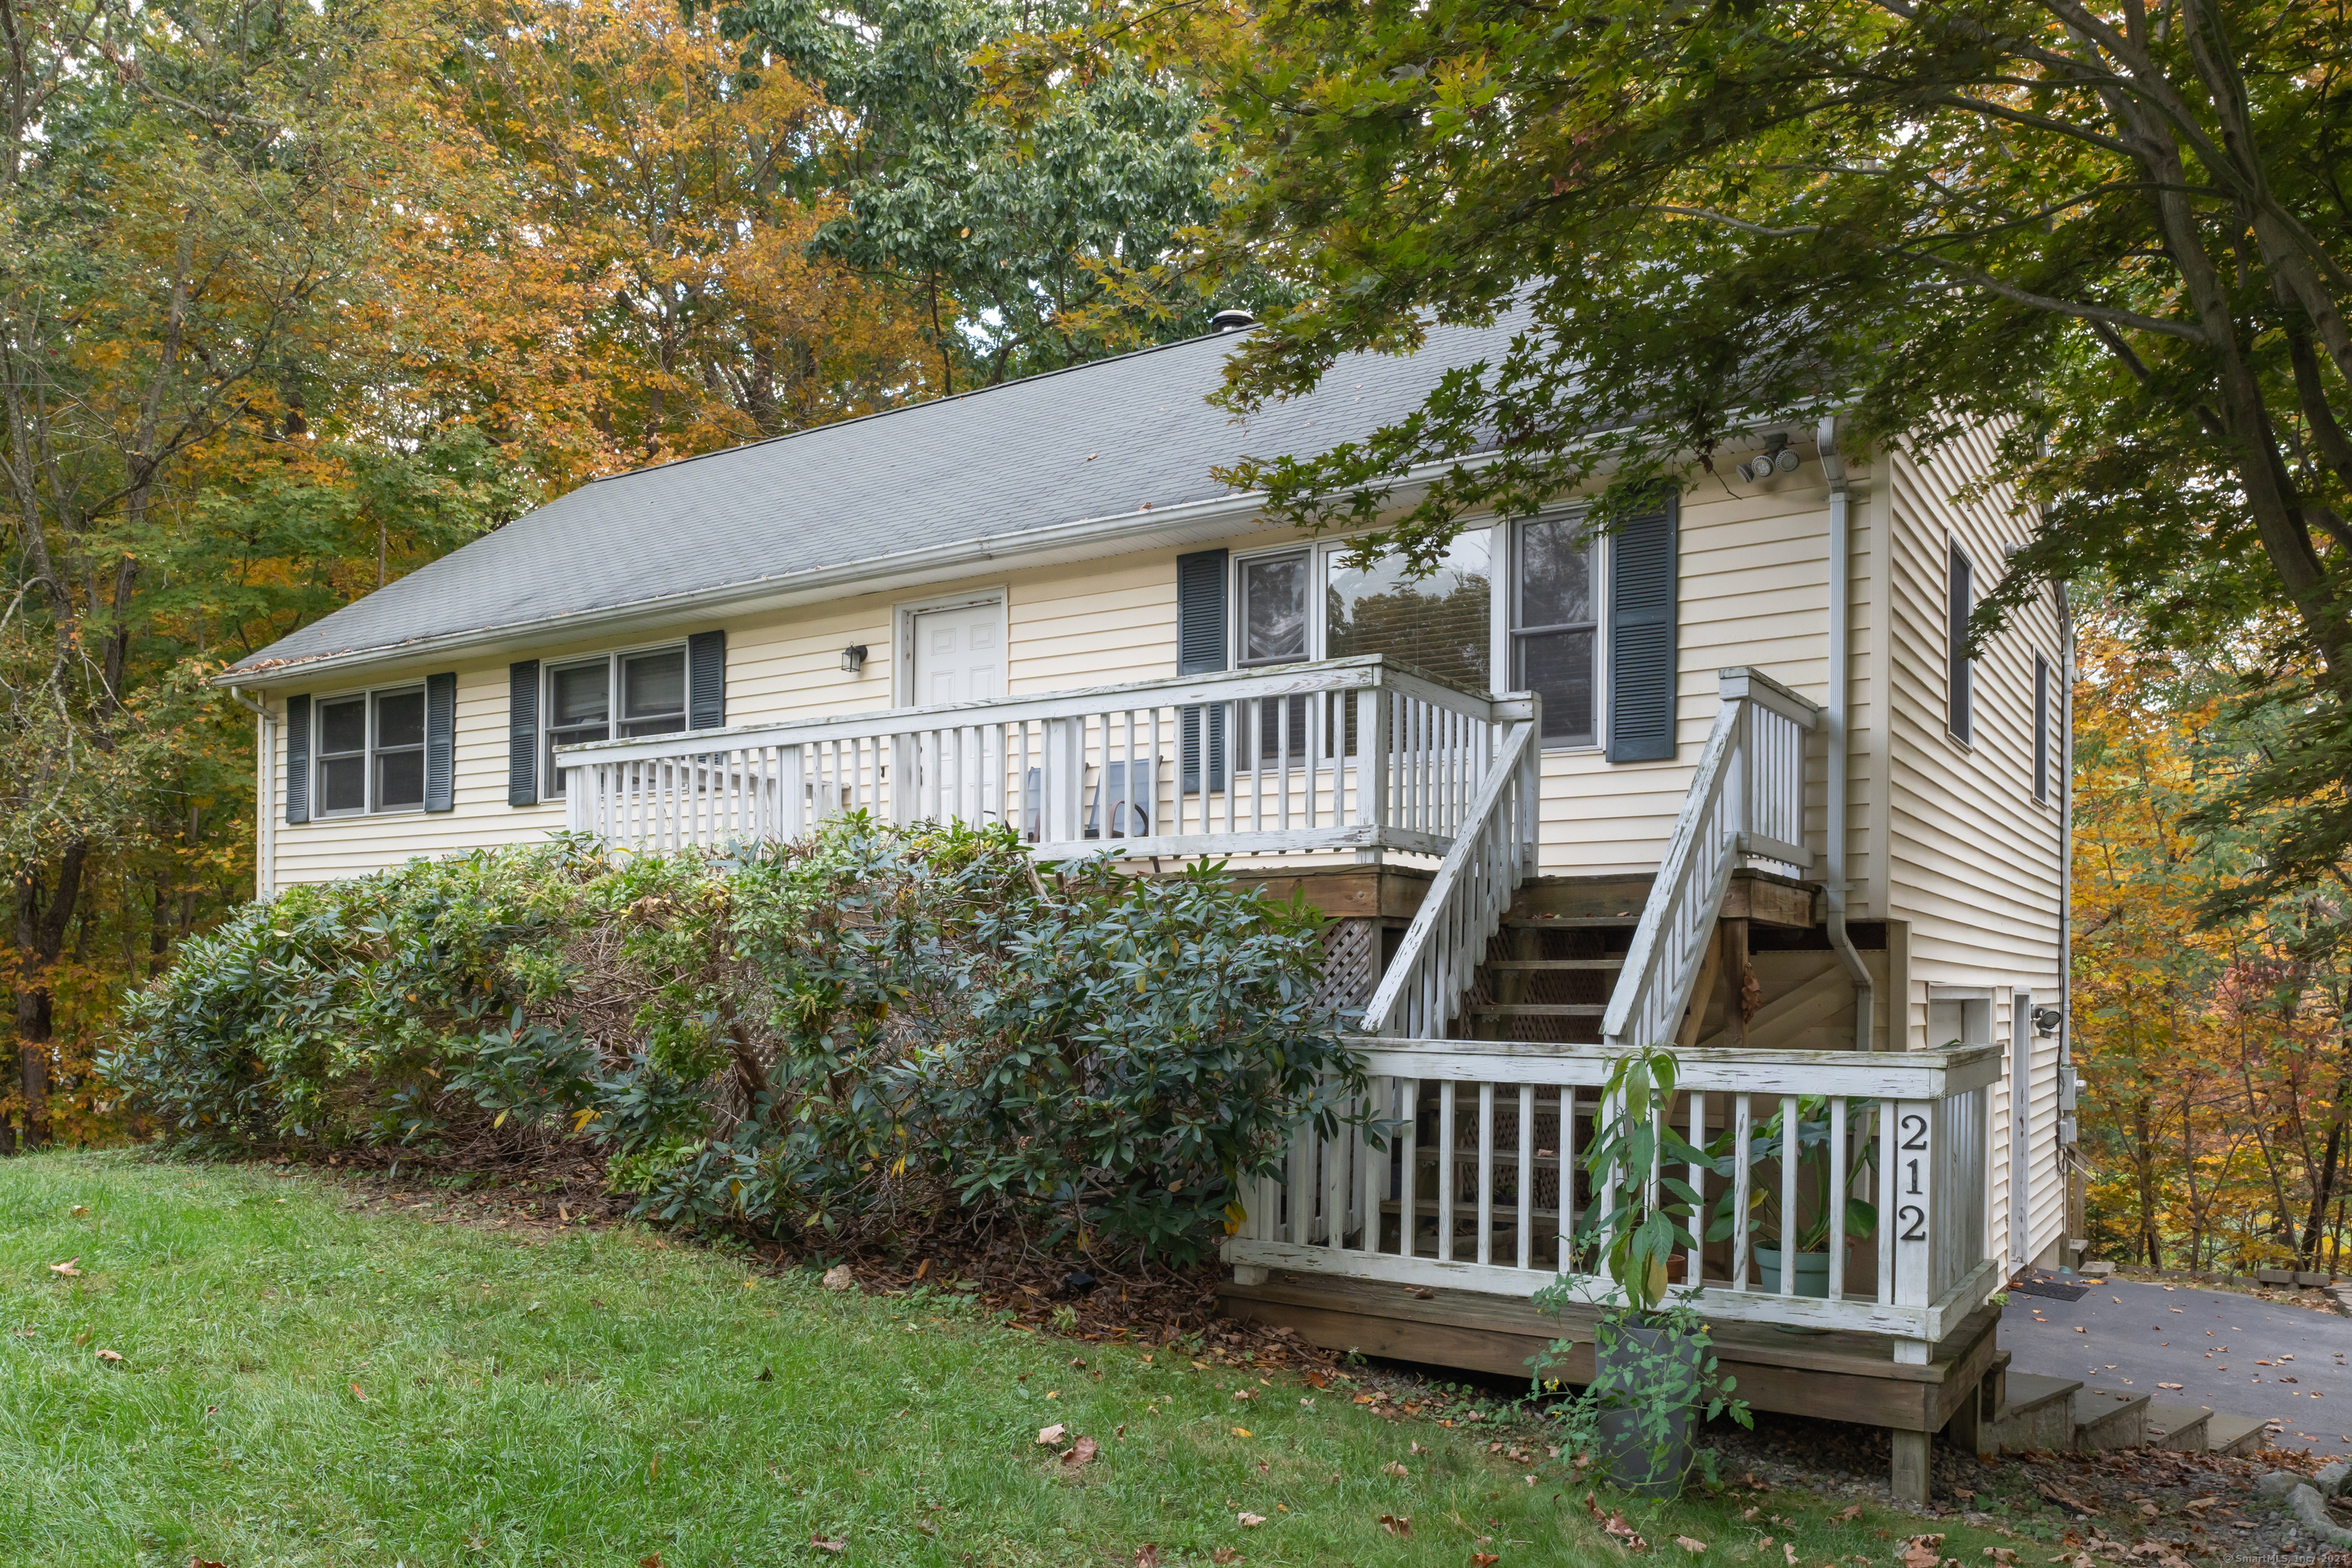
{"x": 2056, "y": 1289}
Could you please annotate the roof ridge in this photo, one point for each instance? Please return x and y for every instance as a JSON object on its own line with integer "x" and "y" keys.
{"x": 939, "y": 402}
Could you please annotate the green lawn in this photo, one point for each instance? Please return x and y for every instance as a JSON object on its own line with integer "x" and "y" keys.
{"x": 596, "y": 1397}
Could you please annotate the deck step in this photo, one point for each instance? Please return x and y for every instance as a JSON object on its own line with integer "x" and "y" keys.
{"x": 2108, "y": 1419}
{"x": 1536, "y": 966}
{"x": 1571, "y": 923}
{"x": 2037, "y": 1414}
{"x": 2177, "y": 1426}
{"x": 1540, "y": 1010}
{"x": 2234, "y": 1434}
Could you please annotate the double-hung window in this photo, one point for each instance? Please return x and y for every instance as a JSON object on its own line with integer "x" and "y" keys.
{"x": 613, "y": 696}
{"x": 371, "y": 752}
{"x": 1309, "y": 603}
{"x": 1556, "y": 626}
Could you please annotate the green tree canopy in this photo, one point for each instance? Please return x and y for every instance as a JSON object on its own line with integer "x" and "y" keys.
{"x": 1043, "y": 226}
{"x": 2116, "y": 233}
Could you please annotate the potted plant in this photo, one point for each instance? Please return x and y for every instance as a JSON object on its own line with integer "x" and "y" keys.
{"x": 1655, "y": 1371}
{"x": 1769, "y": 1144}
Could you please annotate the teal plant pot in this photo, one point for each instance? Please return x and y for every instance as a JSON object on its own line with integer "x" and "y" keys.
{"x": 1813, "y": 1273}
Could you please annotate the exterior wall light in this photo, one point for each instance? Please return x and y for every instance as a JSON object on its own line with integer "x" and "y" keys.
{"x": 853, "y": 659}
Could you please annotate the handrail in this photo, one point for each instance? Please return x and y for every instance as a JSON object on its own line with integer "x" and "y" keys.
{"x": 1360, "y": 672}
{"x": 1422, "y": 986}
{"x": 1361, "y": 756}
{"x": 1747, "y": 799}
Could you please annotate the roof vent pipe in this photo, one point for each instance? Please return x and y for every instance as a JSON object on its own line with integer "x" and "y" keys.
{"x": 1231, "y": 320}
{"x": 1840, "y": 680}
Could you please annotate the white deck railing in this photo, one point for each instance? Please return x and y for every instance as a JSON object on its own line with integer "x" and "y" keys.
{"x": 1480, "y": 1188}
{"x": 1361, "y": 754}
{"x": 1422, "y": 987}
{"x": 1746, "y": 802}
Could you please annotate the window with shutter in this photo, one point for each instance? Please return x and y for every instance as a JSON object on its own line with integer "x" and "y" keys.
{"x": 1643, "y": 580}
{"x": 441, "y": 741}
{"x": 1960, "y": 590}
{"x": 2041, "y": 729}
{"x": 705, "y": 680}
{"x": 298, "y": 758}
{"x": 522, "y": 733}
{"x": 1201, "y": 639}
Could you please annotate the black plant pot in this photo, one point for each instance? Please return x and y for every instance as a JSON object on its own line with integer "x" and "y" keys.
{"x": 1648, "y": 1457}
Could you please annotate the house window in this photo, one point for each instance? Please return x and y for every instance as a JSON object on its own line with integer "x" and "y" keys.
{"x": 1556, "y": 627}
{"x": 1961, "y": 603}
{"x": 371, "y": 752}
{"x": 2041, "y": 729}
{"x": 1308, "y": 603}
{"x": 651, "y": 683}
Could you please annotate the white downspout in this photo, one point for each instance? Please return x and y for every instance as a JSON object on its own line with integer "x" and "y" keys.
{"x": 1840, "y": 679}
{"x": 265, "y": 807}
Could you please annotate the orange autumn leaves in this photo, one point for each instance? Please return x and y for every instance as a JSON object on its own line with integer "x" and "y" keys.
{"x": 608, "y": 262}
{"x": 2213, "y": 1057}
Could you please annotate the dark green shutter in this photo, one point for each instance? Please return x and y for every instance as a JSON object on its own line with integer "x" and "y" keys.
{"x": 705, "y": 680}
{"x": 1642, "y": 673}
{"x": 1201, "y": 646}
{"x": 298, "y": 758}
{"x": 441, "y": 741}
{"x": 522, "y": 733}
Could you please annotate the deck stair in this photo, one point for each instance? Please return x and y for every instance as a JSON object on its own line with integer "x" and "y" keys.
{"x": 2037, "y": 1414}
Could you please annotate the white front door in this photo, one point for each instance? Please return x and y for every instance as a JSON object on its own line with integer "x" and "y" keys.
{"x": 959, "y": 653}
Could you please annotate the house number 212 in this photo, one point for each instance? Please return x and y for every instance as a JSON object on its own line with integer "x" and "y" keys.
{"x": 1912, "y": 1216}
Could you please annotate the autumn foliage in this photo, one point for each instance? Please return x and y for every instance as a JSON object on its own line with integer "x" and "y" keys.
{"x": 2215, "y": 1062}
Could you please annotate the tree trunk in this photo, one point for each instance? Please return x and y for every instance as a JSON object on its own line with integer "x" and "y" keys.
{"x": 42, "y": 916}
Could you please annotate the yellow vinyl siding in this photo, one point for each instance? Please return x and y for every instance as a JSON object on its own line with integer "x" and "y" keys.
{"x": 1973, "y": 857}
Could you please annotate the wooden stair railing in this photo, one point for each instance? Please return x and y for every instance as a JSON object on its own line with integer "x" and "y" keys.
{"x": 1494, "y": 851}
{"x": 1748, "y": 802}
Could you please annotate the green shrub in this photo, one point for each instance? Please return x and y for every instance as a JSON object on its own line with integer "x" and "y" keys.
{"x": 876, "y": 1029}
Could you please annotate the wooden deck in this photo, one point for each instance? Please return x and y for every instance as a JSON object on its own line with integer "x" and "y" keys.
{"x": 1838, "y": 1376}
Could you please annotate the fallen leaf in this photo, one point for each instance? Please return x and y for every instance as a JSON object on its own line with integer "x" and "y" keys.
{"x": 2168, "y": 1385}
{"x": 1250, "y": 1520}
{"x": 1394, "y": 1469}
{"x": 205, "y": 1563}
{"x": 839, "y": 1277}
{"x": 839, "y": 1543}
{"x": 650, "y": 1560}
{"x": 1400, "y": 1528}
{"x": 1147, "y": 1555}
{"x": 1082, "y": 1452}
{"x": 77, "y": 1211}
{"x": 67, "y": 1270}
{"x": 1687, "y": 1544}
{"x": 1788, "y": 1550}
{"x": 1224, "y": 1554}
{"x": 1240, "y": 1431}
{"x": 1852, "y": 1512}
{"x": 1614, "y": 1524}
{"x": 2003, "y": 1555}
{"x": 1484, "y": 1560}
{"x": 1051, "y": 1437}
{"x": 110, "y": 1355}
{"x": 1417, "y": 1448}
{"x": 1921, "y": 1551}
{"x": 358, "y": 1394}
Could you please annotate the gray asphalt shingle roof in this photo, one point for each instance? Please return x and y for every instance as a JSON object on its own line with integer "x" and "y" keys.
{"x": 1097, "y": 441}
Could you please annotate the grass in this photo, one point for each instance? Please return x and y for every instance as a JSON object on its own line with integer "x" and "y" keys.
{"x": 599, "y": 1396}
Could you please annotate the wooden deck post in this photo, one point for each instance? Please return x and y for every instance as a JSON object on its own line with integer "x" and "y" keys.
{"x": 1734, "y": 982}
{"x": 1912, "y": 1452}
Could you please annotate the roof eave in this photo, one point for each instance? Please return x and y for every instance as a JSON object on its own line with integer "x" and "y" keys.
{"x": 1211, "y": 518}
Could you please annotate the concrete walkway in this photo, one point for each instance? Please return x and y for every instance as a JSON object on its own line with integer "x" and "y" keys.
{"x": 2235, "y": 1355}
